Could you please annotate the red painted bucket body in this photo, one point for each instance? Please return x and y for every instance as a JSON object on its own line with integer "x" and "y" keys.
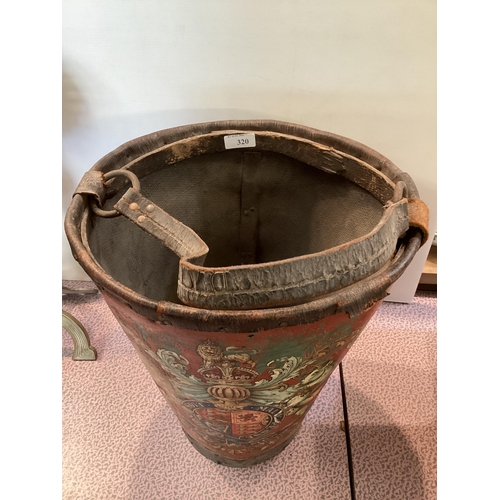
{"x": 241, "y": 397}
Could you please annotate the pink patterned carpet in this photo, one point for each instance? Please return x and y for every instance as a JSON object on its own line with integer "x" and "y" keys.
{"x": 121, "y": 441}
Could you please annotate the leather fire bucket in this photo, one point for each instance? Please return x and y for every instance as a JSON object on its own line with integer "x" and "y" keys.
{"x": 243, "y": 259}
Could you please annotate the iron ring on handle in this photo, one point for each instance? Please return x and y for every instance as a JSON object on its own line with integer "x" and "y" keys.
{"x": 110, "y": 175}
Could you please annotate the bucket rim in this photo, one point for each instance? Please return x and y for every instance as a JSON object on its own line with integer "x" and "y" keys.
{"x": 366, "y": 291}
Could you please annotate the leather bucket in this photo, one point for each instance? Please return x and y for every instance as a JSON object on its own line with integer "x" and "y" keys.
{"x": 242, "y": 260}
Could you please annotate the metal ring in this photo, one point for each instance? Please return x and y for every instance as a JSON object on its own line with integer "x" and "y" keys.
{"x": 110, "y": 175}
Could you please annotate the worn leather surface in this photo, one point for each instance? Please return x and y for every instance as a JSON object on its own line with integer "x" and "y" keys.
{"x": 418, "y": 215}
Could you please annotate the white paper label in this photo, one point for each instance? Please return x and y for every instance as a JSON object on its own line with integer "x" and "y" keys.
{"x": 239, "y": 141}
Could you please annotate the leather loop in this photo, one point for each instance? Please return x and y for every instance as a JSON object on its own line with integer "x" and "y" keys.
{"x": 92, "y": 184}
{"x": 418, "y": 216}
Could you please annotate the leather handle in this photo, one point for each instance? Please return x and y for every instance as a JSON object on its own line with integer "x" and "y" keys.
{"x": 173, "y": 234}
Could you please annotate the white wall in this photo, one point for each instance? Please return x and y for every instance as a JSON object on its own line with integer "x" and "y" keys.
{"x": 365, "y": 69}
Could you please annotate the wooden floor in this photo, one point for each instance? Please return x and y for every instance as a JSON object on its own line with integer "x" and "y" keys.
{"x": 428, "y": 280}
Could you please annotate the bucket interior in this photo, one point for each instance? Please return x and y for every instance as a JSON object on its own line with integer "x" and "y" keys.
{"x": 294, "y": 209}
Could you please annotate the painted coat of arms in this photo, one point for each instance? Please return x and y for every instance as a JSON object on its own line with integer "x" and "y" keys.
{"x": 234, "y": 403}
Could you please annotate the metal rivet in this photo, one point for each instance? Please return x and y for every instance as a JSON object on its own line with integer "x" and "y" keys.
{"x": 134, "y": 206}
{"x": 245, "y": 212}
{"x": 150, "y": 208}
{"x": 252, "y": 209}
{"x": 141, "y": 218}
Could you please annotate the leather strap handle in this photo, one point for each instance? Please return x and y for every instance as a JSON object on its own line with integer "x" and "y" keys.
{"x": 173, "y": 234}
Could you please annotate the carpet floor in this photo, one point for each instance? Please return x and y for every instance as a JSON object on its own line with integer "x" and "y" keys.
{"x": 120, "y": 440}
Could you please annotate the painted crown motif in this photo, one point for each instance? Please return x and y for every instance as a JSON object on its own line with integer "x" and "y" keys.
{"x": 221, "y": 367}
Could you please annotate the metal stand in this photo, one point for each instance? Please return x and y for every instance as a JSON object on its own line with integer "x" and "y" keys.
{"x": 83, "y": 351}
{"x": 344, "y": 425}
